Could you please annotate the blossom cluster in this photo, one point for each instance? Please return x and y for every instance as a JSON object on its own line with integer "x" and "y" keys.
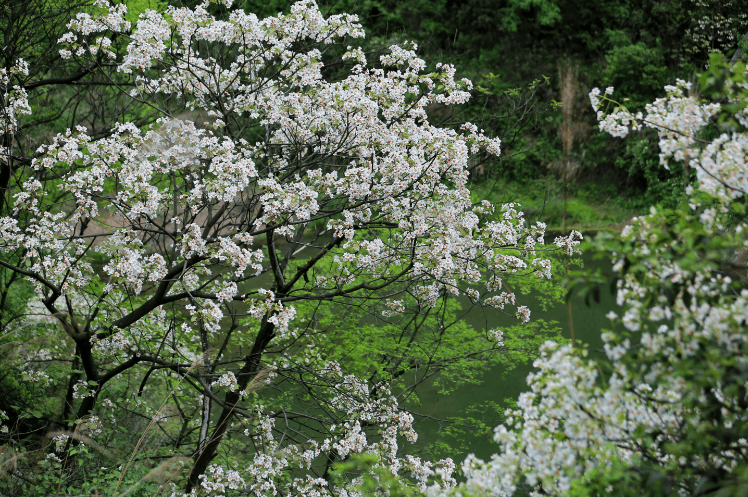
{"x": 3, "y": 427}
{"x": 678, "y": 118}
{"x": 13, "y": 98}
{"x": 227, "y": 380}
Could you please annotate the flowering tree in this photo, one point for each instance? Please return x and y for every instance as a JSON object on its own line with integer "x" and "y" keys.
{"x": 189, "y": 256}
{"x": 664, "y": 412}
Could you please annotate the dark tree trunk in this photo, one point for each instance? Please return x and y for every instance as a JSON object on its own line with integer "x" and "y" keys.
{"x": 244, "y": 377}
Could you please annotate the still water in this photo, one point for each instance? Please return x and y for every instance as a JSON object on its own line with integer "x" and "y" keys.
{"x": 498, "y": 383}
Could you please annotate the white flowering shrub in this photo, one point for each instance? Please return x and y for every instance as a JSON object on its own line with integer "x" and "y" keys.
{"x": 662, "y": 411}
{"x": 171, "y": 254}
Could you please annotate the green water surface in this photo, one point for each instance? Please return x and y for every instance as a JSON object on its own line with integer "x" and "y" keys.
{"x": 500, "y": 385}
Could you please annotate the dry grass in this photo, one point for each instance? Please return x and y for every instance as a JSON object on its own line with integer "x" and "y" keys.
{"x": 163, "y": 473}
{"x": 160, "y": 412}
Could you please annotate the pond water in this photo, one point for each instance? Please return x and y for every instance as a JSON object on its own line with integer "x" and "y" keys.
{"x": 498, "y": 383}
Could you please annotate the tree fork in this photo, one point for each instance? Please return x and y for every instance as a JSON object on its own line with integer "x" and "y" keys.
{"x": 246, "y": 374}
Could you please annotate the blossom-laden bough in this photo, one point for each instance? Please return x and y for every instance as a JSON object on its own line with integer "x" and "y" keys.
{"x": 173, "y": 246}
{"x": 663, "y": 412}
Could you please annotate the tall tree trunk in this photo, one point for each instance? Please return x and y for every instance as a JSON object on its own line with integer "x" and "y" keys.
{"x": 205, "y": 421}
{"x": 738, "y": 55}
{"x": 567, "y": 73}
{"x": 67, "y": 409}
{"x": 84, "y": 349}
{"x": 246, "y": 374}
